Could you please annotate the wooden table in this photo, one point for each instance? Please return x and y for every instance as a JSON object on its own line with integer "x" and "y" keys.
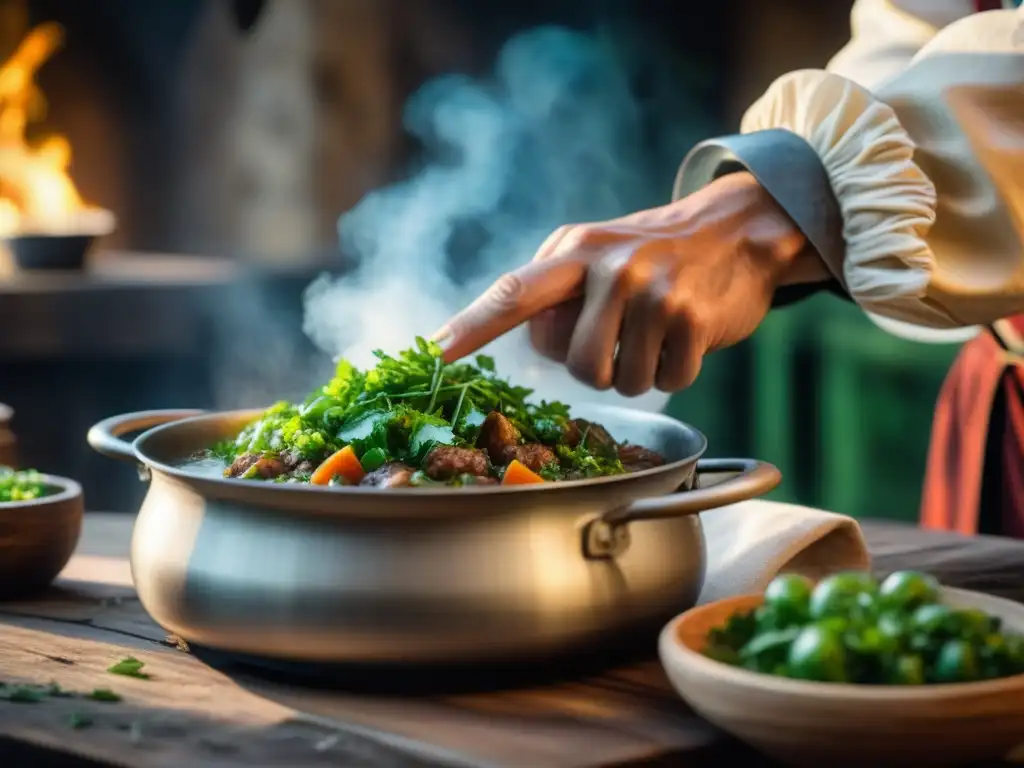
{"x": 189, "y": 713}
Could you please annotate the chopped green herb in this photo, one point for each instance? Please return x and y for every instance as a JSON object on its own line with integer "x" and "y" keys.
{"x": 129, "y": 667}
{"x": 21, "y": 486}
{"x": 79, "y": 720}
{"x": 407, "y": 405}
{"x": 23, "y": 694}
{"x": 103, "y": 694}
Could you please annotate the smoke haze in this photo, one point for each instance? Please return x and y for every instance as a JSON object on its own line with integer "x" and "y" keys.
{"x": 556, "y": 135}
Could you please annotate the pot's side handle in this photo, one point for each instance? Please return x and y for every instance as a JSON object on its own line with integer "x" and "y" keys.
{"x": 105, "y": 437}
{"x": 607, "y": 536}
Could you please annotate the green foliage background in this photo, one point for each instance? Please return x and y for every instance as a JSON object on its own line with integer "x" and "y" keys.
{"x": 841, "y": 407}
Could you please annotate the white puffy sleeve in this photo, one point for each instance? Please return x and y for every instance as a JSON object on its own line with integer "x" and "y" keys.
{"x": 917, "y": 206}
{"x": 886, "y": 34}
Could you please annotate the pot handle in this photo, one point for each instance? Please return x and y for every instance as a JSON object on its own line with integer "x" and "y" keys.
{"x": 608, "y": 535}
{"x": 105, "y": 436}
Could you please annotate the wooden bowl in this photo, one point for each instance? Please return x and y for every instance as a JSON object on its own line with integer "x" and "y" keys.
{"x": 808, "y": 723}
{"x": 38, "y": 537}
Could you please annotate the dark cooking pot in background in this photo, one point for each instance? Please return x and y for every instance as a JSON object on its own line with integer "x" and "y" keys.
{"x": 8, "y": 443}
{"x": 353, "y": 574}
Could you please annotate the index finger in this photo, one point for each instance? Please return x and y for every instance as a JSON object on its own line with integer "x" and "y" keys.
{"x": 511, "y": 300}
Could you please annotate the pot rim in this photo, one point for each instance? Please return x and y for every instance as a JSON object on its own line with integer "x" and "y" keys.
{"x": 292, "y": 489}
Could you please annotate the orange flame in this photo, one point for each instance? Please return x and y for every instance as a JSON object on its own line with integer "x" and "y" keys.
{"x": 37, "y": 194}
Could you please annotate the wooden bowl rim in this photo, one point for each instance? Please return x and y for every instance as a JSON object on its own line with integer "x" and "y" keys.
{"x": 69, "y": 490}
{"x": 675, "y": 651}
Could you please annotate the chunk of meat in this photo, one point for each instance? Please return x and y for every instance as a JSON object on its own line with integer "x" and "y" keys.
{"x": 499, "y": 437}
{"x": 501, "y": 440}
{"x": 394, "y": 474}
{"x": 599, "y": 440}
{"x": 296, "y": 464}
{"x": 250, "y": 464}
{"x": 635, "y": 458}
{"x": 446, "y": 461}
{"x": 534, "y": 456}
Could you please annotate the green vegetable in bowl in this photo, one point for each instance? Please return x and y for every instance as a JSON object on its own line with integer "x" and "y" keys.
{"x": 21, "y": 486}
{"x": 843, "y": 595}
{"x": 817, "y": 653}
{"x": 908, "y": 590}
{"x": 790, "y": 596}
{"x": 851, "y": 629}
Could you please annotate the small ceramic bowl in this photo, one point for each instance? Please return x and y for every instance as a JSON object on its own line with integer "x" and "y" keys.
{"x": 808, "y": 723}
{"x": 38, "y": 537}
{"x": 65, "y": 248}
{"x": 64, "y": 252}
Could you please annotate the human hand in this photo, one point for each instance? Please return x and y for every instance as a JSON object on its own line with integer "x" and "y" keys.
{"x": 637, "y": 302}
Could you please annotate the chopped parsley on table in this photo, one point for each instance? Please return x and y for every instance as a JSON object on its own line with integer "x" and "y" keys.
{"x": 129, "y": 667}
{"x": 30, "y": 693}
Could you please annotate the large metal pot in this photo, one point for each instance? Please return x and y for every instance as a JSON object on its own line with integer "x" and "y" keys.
{"x": 310, "y": 573}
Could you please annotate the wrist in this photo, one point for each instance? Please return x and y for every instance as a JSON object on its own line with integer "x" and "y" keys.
{"x": 769, "y": 234}
{"x": 737, "y": 209}
{"x": 792, "y": 174}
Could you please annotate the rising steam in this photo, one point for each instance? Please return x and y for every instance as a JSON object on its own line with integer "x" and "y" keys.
{"x": 555, "y": 136}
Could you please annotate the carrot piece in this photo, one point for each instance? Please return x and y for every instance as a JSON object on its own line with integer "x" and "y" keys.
{"x": 343, "y": 463}
{"x": 517, "y": 473}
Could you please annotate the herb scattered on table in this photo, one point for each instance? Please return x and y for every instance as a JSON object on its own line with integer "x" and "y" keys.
{"x": 23, "y": 694}
{"x": 23, "y": 485}
{"x": 79, "y": 720}
{"x": 103, "y": 694}
{"x": 32, "y": 694}
{"x": 129, "y": 667}
{"x": 851, "y": 629}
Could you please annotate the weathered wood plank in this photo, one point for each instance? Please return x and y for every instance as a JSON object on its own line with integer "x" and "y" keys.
{"x": 191, "y": 712}
{"x": 186, "y": 713}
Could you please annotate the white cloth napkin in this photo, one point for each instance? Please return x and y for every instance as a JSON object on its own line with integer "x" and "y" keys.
{"x": 750, "y": 543}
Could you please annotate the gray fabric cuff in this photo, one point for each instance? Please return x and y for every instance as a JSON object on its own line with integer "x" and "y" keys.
{"x": 789, "y": 170}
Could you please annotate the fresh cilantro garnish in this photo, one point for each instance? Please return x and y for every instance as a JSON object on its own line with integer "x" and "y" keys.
{"x": 406, "y": 405}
